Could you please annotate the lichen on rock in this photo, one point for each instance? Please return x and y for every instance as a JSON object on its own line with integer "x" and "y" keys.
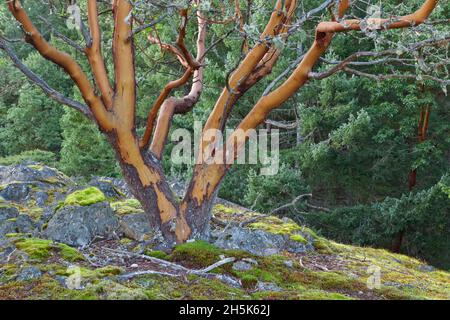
{"x": 80, "y": 225}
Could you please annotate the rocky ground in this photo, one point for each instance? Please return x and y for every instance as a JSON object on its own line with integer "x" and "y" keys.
{"x": 63, "y": 239}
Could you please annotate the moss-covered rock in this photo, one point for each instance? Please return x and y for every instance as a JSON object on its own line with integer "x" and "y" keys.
{"x": 127, "y": 207}
{"x": 37, "y": 249}
{"x": 42, "y": 249}
{"x": 69, "y": 254}
{"x": 85, "y": 197}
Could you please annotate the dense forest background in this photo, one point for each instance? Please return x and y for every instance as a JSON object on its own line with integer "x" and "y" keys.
{"x": 351, "y": 141}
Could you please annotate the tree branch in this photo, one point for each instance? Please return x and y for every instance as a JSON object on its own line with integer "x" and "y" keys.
{"x": 324, "y": 36}
{"x": 157, "y": 105}
{"x": 94, "y": 55}
{"x": 292, "y": 203}
{"x": 341, "y": 65}
{"x": 381, "y": 77}
{"x": 187, "y": 61}
{"x": 33, "y": 36}
{"x": 248, "y": 65}
{"x": 124, "y": 103}
{"x": 35, "y": 79}
{"x": 185, "y": 104}
{"x": 413, "y": 19}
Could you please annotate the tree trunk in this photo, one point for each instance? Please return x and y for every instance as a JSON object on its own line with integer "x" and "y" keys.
{"x": 178, "y": 221}
{"x": 148, "y": 185}
{"x": 197, "y": 204}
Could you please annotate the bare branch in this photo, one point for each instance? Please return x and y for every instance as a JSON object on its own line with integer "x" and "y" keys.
{"x": 35, "y": 79}
{"x": 185, "y": 104}
{"x": 176, "y": 270}
{"x": 282, "y": 125}
{"x": 59, "y": 35}
{"x": 291, "y": 204}
{"x": 381, "y": 77}
{"x": 340, "y": 65}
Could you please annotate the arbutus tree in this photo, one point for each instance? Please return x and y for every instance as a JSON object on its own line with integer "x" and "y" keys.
{"x": 112, "y": 106}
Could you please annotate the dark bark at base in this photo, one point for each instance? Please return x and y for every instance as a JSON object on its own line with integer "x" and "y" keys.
{"x": 146, "y": 195}
{"x": 198, "y": 216}
{"x": 177, "y": 221}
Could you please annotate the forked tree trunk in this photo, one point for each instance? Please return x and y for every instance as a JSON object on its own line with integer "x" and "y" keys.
{"x": 178, "y": 220}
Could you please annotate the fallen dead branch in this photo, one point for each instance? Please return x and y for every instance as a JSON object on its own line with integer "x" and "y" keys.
{"x": 178, "y": 270}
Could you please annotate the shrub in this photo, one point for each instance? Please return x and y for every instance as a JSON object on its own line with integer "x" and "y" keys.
{"x": 41, "y": 156}
{"x": 270, "y": 192}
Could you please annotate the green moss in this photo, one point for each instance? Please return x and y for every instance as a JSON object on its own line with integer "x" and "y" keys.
{"x": 195, "y": 288}
{"x": 126, "y": 207}
{"x": 9, "y": 269}
{"x": 323, "y": 295}
{"x": 220, "y": 208}
{"x": 35, "y": 213}
{"x": 157, "y": 254}
{"x": 93, "y": 275}
{"x": 37, "y": 249}
{"x": 16, "y": 235}
{"x": 260, "y": 274}
{"x": 70, "y": 254}
{"x": 322, "y": 246}
{"x": 41, "y": 249}
{"x": 36, "y": 167}
{"x": 85, "y": 197}
{"x": 298, "y": 238}
{"x": 111, "y": 290}
{"x": 276, "y": 226}
{"x": 53, "y": 268}
{"x": 249, "y": 281}
{"x": 44, "y": 288}
{"x": 196, "y": 254}
{"x": 309, "y": 232}
{"x": 126, "y": 241}
{"x": 109, "y": 271}
{"x": 300, "y": 295}
{"x": 337, "y": 281}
